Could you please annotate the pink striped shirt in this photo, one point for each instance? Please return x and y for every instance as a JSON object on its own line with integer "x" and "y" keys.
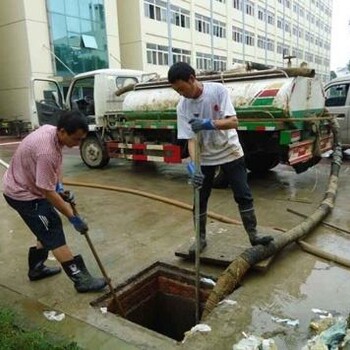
{"x": 36, "y": 165}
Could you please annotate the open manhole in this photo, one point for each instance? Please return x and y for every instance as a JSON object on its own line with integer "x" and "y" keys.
{"x": 160, "y": 298}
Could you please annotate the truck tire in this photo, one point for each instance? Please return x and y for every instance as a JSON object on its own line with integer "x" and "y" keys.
{"x": 261, "y": 163}
{"x": 93, "y": 152}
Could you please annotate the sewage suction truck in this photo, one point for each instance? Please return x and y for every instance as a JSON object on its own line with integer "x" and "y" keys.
{"x": 132, "y": 115}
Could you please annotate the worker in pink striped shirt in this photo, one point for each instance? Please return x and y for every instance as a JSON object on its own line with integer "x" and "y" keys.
{"x": 32, "y": 187}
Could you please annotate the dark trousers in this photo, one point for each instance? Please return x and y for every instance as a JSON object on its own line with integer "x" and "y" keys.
{"x": 236, "y": 174}
{"x": 42, "y": 219}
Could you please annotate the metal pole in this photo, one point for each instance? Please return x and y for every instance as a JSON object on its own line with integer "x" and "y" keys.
{"x": 197, "y": 228}
{"x": 170, "y": 44}
{"x": 197, "y": 222}
{"x": 212, "y": 34}
{"x": 243, "y": 25}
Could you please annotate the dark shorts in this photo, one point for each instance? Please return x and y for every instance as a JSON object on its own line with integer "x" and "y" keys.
{"x": 42, "y": 219}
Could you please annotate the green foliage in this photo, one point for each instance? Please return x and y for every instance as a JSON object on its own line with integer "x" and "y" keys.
{"x": 348, "y": 66}
{"x": 14, "y": 336}
{"x": 333, "y": 74}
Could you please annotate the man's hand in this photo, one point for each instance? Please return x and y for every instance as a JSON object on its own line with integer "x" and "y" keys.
{"x": 79, "y": 224}
{"x": 196, "y": 177}
{"x": 67, "y": 196}
{"x": 201, "y": 124}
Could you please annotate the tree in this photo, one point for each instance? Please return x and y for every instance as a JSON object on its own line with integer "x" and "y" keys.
{"x": 348, "y": 66}
{"x": 333, "y": 74}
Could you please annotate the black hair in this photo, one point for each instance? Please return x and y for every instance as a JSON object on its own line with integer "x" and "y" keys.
{"x": 180, "y": 71}
{"x": 72, "y": 121}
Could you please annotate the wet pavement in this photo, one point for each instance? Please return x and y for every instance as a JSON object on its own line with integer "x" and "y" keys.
{"x": 131, "y": 232}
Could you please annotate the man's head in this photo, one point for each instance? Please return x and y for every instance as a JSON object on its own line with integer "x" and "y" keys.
{"x": 72, "y": 128}
{"x": 182, "y": 78}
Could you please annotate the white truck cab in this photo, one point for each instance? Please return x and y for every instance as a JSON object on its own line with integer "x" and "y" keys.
{"x": 338, "y": 103}
{"x": 93, "y": 93}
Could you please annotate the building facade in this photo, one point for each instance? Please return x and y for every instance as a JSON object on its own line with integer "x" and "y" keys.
{"x": 60, "y": 38}
{"x": 214, "y": 34}
{"x": 52, "y": 38}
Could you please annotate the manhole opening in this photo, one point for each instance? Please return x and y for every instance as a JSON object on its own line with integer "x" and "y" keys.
{"x": 160, "y": 298}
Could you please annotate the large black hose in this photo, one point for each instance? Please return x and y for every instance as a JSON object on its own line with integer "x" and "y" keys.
{"x": 232, "y": 276}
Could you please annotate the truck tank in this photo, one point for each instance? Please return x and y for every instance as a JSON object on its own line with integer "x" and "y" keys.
{"x": 288, "y": 93}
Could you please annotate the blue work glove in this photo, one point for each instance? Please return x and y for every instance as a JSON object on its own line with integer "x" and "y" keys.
{"x": 201, "y": 124}
{"x": 67, "y": 196}
{"x": 79, "y": 224}
{"x": 59, "y": 187}
{"x": 196, "y": 177}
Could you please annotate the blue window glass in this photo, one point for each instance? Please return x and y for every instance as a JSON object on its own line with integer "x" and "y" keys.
{"x": 72, "y": 7}
{"x": 58, "y": 27}
{"x": 55, "y": 6}
{"x": 86, "y": 27}
{"x": 73, "y": 24}
{"x": 85, "y": 9}
{"x": 78, "y": 35}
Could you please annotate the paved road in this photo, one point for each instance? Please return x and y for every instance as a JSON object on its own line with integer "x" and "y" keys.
{"x": 132, "y": 232}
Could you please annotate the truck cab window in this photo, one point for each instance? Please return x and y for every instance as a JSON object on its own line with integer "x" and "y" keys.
{"x": 82, "y": 96}
{"x": 125, "y": 81}
{"x": 336, "y": 95}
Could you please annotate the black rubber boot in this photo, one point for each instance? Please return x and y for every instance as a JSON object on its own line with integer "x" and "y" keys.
{"x": 202, "y": 235}
{"x": 249, "y": 223}
{"x": 78, "y": 273}
{"x": 37, "y": 269}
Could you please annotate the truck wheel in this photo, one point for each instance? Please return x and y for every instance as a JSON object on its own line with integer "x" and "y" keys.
{"x": 220, "y": 180}
{"x": 93, "y": 152}
{"x": 261, "y": 163}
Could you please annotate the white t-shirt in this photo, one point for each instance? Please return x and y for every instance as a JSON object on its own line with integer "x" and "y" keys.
{"x": 217, "y": 146}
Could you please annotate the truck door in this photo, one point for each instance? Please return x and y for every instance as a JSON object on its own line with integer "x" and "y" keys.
{"x": 338, "y": 102}
{"x": 81, "y": 95}
{"x": 48, "y": 101}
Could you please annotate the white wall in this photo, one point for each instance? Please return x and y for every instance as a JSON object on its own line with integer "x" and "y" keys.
{"x": 15, "y": 60}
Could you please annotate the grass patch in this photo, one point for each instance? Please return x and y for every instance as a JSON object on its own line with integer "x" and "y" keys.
{"x": 15, "y": 335}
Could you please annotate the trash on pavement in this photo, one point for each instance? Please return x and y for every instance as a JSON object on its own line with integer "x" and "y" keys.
{"x": 252, "y": 342}
{"x": 208, "y": 281}
{"x": 287, "y": 321}
{"x": 228, "y": 302}
{"x": 54, "y": 315}
{"x": 198, "y": 328}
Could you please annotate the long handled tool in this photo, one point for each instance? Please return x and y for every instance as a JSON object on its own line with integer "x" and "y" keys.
{"x": 117, "y": 304}
{"x": 197, "y": 227}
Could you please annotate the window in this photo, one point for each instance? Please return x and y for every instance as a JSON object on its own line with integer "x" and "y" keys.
{"x": 237, "y": 34}
{"x": 287, "y": 27}
{"x": 249, "y": 8}
{"x": 219, "y": 29}
{"x": 309, "y": 57}
{"x": 219, "y": 63}
{"x": 78, "y": 35}
{"x": 270, "y": 45}
{"x": 155, "y": 9}
{"x": 280, "y": 22}
{"x": 270, "y": 18}
{"x": 82, "y": 96}
{"x": 203, "y": 61}
{"x": 336, "y": 95}
{"x": 237, "y": 4}
{"x": 282, "y": 49}
{"x": 180, "y": 17}
{"x": 202, "y": 24}
{"x": 181, "y": 55}
{"x": 261, "y": 14}
{"x": 249, "y": 38}
{"x": 261, "y": 42}
{"x": 157, "y": 54}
